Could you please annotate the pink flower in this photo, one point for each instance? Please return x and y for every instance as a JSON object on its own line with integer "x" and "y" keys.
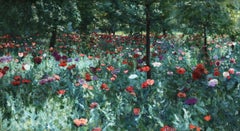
{"x": 61, "y": 92}
{"x": 231, "y": 71}
{"x": 150, "y": 82}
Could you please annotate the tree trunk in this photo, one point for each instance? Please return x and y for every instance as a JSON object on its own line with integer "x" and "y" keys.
{"x": 53, "y": 38}
{"x": 205, "y": 51}
{"x": 148, "y": 39}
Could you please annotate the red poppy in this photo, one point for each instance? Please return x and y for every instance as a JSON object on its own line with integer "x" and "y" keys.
{"x": 144, "y": 84}
{"x": 26, "y": 81}
{"x": 97, "y": 129}
{"x": 88, "y": 77}
{"x": 110, "y": 68}
{"x": 207, "y": 118}
{"x": 136, "y": 111}
{"x": 181, "y": 71}
{"x": 181, "y": 95}
{"x": 16, "y": 83}
{"x": 167, "y": 128}
{"x": 63, "y": 63}
{"x": 216, "y": 72}
{"x": 61, "y": 92}
{"x": 104, "y": 86}
{"x": 93, "y": 105}
{"x": 17, "y": 78}
{"x": 129, "y": 89}
{"x": 145, "y": 68}
{"x": 71, "y": 67}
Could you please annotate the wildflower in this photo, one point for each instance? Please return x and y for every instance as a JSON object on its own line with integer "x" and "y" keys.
{"x": 97, "y": 129}
{"x": 88, "y": 77}
{"x": 226, "y": 74}
{"x": 16, "y": 83}
{"x": 216, "y": 72}
{"x": 63, "y": 63}
{"x": 181, "y": 95}
{"x": 104, "y": 86}
{"x": 17, "y": 78}
{"x": 191, "y": 101}
{"x": 71, "y": 67}
{"x": 136, "y": 111}
{"x": 217, "y": 63}
{"x": 199, "y": 71}
{"x": 145, "y": 68}
{"x": 80, "y": 122}
{"x": 20, "y": 54}
{"x": 110, "y": 68}
{"x": 26, "y": 67}
{"x": 26, "y": 81}
{"x": 156, "y": 64}
{"x": 93, "y": 105}
{"x": 231, "y": 71}
{"x": 144, "y": 84}
{"x": 167, "y": 128}
{"x": 207, "y": 118}
{"x": 57, "y": 77}
{"x": 181, "y": 71}
{"x": 61, "y": 92}
{"x": 150, "y": 81}
{"x": 212, "y": 82}
{"x": 170, "y": 73}
{"x": 130, "y": 89}
{"x": 37, "y": 60}
{"x": 133, "y": 76}
{"x": 191, "y": 126}
{"x": 232, "y": 60}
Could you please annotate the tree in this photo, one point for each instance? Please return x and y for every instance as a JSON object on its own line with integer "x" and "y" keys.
{"x": 203, "y": 16}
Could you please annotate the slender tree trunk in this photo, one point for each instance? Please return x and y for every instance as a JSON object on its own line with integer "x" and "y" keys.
{"x": 53, "y": 37}
{"x": 205, "y": 51}
{"x": 148, "y": 39}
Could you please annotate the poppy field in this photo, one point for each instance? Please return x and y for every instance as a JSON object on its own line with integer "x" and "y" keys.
{"x": 99, "y": 83}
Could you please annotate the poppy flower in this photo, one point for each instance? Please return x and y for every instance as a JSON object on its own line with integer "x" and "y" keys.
{"x": 216, "y": 72}
{"x": 5, "y": 68}
{"x": 191, "y": 101}
{"x": 97, "y": 129}
{"x": 207, "y": 118}
{"x": 16, "y": 83}
{"x": 217, "y": 63}
{"x": 61, "y": 92}
{"x": 150, "y": 82}
{"x": 88, "y": 77}
{"x": 71, "y": 67}
{"x": 181, "y": 71}
{"x": 93, "y": 105}
{"x": 26, "y": 81}
{"x": 181, "y": 95}
{"x": 63, "y": 63}
{"x": 231, "y": 71}
{"x": 17, "y": 78}
{"x": 37, "y": 60}
{"x": 167, "y": 128}
{"x": 130, "y": 89}
{"x": 110, "y": 68}
{"x": 145, "y": 68}
{"x": 144, "y": 84}
{"x": 191, "y": 126}
{"x": 104, "y": 86}
{"x": 80, "y": 122}
{"x": 136, "y": 111}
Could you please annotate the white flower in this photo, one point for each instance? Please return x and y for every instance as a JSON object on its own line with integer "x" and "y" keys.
{"x": 212, "y": 82}
{"x": 132, "y": 76}
{"x": 226, "y": 74}
{"x": 156, "y": 64}
{"x": 26, "y": 66}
